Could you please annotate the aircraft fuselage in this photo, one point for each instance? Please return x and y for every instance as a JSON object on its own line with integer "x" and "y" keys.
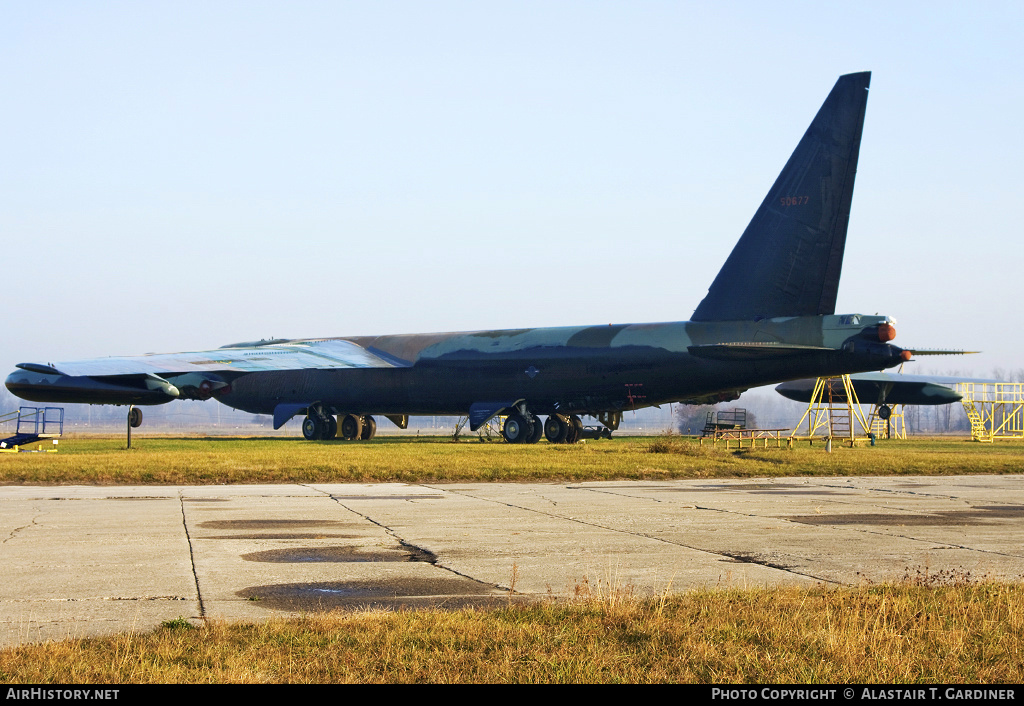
{"x": 588, "y": 369}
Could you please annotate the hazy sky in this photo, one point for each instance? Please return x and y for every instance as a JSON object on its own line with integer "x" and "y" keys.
{"x": 182, "y": 175}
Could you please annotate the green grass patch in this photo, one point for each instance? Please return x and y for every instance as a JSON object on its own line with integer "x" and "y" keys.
{"x": 218, "y": 460}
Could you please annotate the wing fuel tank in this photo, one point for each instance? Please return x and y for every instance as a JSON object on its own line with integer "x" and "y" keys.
{"x": 30, "y": 384}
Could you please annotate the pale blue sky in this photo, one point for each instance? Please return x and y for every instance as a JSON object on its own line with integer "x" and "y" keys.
{"x": 182, "y": 175}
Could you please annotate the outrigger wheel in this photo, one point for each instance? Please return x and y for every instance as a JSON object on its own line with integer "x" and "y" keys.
{"x": 884, "y": 412}
{"x": 135, "y": 417}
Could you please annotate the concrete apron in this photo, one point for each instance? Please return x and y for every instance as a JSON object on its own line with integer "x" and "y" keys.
{"x": 85, "y": 561}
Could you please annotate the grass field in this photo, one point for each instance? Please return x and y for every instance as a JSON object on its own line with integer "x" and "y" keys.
{"x": 189, "y": 460}
{"x": 953, "y": 633}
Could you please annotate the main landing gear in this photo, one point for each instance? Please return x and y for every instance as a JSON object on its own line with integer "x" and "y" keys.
{"x": 527, "y": 428}
{"x": 319, "y": 424}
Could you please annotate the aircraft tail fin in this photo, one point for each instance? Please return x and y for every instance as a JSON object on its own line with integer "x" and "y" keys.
{"x": 788, "y": 260}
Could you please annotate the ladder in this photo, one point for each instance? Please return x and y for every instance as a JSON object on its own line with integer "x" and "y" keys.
{"x": 979, "y": 432}
{"x": 837, "y": 411}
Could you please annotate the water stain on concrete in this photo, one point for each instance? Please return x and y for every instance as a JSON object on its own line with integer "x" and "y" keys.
{"x": 979, "y": 515}
{"x": 823, "y": 491}
{"x": 302, "y": 555}
{"x": 387, "y": 497}
{"x": 285, "y": 535}
{"x": 273, "y": 524}
{"x": 448, "y": 593}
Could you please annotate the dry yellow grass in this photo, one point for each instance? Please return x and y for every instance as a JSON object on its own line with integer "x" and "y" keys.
{"x": 916, "y": 632}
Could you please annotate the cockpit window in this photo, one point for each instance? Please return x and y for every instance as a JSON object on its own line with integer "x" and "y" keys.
{"x": 850, "y": 320}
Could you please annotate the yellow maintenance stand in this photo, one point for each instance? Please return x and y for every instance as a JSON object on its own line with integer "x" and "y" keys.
{"x": 833, "y": 413}
{"x": 995, "y": 409}
{"x": 892, "y": 427}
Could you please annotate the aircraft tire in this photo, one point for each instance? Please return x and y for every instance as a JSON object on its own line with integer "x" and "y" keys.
{"x": 330, "y": 428}
{"x": 369, "y": 428}
{"x": 536, "y": 430}
{"x": 556, "y": 428}
{"x": 575, "y": 429}
{"x": 516, "y": 429}
{"x": 135, "y": 417}
{"x": 884, "y": 412}
{"x": 312, "y": 428}
{"x": 351, "y": 427}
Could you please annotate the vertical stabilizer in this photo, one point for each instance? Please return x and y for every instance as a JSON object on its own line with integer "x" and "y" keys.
{"x": 788, "y": 260}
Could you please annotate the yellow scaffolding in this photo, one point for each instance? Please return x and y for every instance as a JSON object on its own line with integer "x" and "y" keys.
{"x": 995, "y": 409}
{"x": 840, "y": 415}
{"x": 895, "y": 427}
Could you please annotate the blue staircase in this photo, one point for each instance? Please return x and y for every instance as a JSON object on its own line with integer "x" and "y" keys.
{"x": 32, "y": 425}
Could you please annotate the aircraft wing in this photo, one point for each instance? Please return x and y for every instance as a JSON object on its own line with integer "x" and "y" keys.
{"x": 160, "y": 378}
{"x": 288, "y": 355}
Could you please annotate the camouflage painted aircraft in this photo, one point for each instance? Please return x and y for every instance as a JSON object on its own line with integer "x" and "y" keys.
{"x": 769, "y": 316}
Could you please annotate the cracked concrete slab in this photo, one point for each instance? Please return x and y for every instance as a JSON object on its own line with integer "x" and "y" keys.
{"x": 82, "y": 561}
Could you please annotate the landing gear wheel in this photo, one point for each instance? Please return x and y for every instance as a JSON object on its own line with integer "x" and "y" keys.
{"x": 884, "y": 412}
{"x": 516, "y": 429}
{"x": 556, "y": 428}
{"x": 536, "y": 430}
{"x": 312, "y": 428}
{"x": 351, "y": 427}
{"x": 135, "y": 417}
{"x": 575, "y": 429}
{"x": 369, "y": 428}
{"x": 331, "y": 428}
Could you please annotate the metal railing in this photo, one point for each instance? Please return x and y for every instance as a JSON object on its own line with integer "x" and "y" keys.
{"x": 41, "y": 421}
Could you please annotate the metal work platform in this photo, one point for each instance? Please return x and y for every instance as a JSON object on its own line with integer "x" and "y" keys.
{"x": 747, "y": 437}
{"x": 33, "y": 426}
{"x": 725, "y": 419}
{"x": 834, "y": 412}
{"x": 995, "y": 409}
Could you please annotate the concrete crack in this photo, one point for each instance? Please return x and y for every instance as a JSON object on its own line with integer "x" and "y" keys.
{"x": 862, "y": 530}
{"x": 17, "y": 530}
{"x": 646, "y": 536}
{"x": 414, "y": 548}
{"x": 191, "y": 556}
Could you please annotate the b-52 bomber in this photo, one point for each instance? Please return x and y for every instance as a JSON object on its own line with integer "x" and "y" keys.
{"x": 768, "y": 317}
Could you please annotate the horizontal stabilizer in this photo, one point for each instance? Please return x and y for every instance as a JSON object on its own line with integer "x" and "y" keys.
{"x": 753, "y": 350}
